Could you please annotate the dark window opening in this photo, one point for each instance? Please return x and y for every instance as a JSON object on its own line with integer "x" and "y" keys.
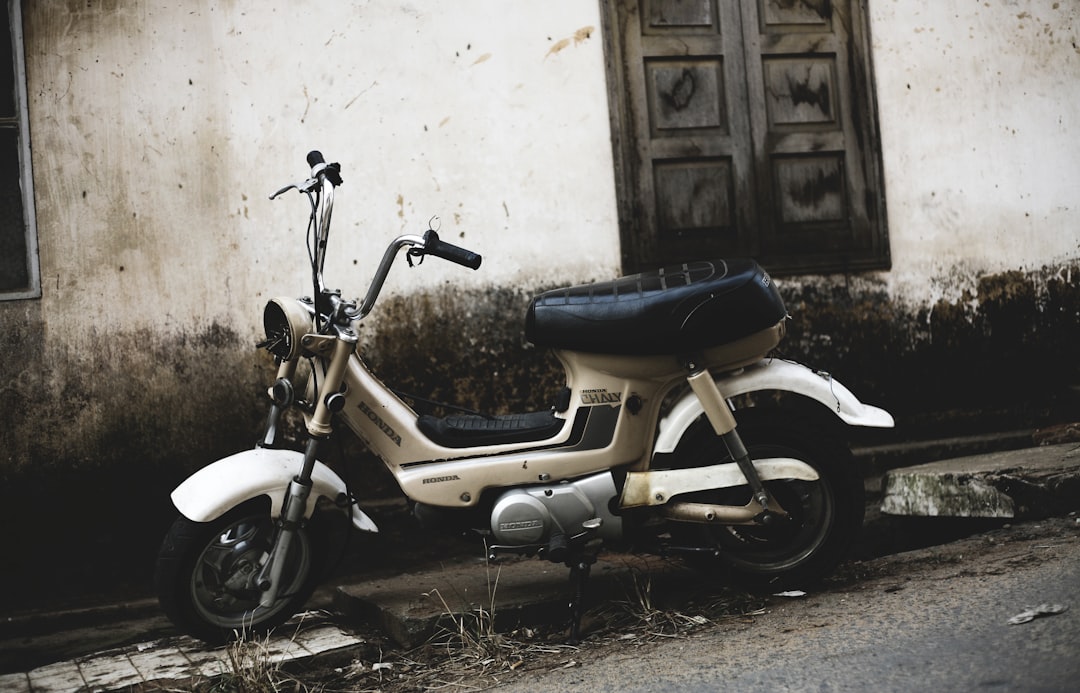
{"x": 18, "y": 249}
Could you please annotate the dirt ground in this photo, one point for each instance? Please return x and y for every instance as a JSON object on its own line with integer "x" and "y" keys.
{"x": 894, "y": 555}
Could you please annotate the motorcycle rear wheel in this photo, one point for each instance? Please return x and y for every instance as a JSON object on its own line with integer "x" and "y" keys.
{"x": 205, "y": 573}
{"x": 825, "y": 516}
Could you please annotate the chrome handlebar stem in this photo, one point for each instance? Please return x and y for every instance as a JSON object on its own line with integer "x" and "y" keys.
{"x": 407, "y": 240}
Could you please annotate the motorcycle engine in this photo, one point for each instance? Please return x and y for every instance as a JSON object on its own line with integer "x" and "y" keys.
{"x": 530, "y": 515}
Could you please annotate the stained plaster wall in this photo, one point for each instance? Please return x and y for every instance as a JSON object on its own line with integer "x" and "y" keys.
{"x": 159, "y": 128}
{"x": 979, "y": 107}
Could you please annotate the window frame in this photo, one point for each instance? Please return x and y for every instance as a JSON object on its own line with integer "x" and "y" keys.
{"x": 26, "y": 175}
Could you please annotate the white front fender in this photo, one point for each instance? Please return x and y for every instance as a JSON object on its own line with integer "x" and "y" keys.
{"x": 208, "y": 493}
{"x": 773, "y": 374}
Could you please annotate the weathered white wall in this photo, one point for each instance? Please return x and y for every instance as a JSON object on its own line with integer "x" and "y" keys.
{"x": 979, "y": 107}
{"x": 159, "y": 129}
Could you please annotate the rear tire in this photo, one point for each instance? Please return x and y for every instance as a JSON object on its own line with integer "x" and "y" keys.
{"x": 825, "y": 516}
{"x": 205, "y": 572}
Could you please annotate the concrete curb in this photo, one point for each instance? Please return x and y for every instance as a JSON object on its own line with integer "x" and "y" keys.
{"x": 1029, "y": 484}
{"x": 38, "y": 622}
{"x": 414, "y": 607}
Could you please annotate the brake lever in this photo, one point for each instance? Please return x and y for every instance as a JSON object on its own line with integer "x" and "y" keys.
{"x": 307, "y": 186}
{"x": 284, "y": 190}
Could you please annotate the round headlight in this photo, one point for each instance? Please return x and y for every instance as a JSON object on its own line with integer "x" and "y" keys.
{"x": 285, "y": 321}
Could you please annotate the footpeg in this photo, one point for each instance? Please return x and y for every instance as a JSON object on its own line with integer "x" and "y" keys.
{"x": 557, "y": 548}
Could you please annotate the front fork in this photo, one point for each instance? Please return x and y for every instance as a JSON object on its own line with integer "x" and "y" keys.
{"x": 319, "y": 426}
{"x": 722, "y": 420}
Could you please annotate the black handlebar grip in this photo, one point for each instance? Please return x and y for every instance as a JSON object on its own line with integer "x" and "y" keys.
{"x": 314, "y": 158}
{"x": 449, "y": 251}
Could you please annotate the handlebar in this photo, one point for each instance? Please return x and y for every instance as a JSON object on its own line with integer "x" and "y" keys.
{"x": 319, "y": 167}
{"x": 449, "y": 251}
{"x": 429, "y": 244}
{"x": 322, "y": 207}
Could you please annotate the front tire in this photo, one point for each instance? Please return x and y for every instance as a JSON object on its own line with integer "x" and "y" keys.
{"x": 825, "y": 516}
{"x": 205, "y": 574}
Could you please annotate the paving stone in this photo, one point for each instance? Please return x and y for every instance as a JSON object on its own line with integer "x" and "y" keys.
{"x": 165, "y": 663}
{"x": 14, "y": 683}
{"x": 62, "y": 676}
{"x": 109, "y": 673}
{"x": 327, "y": 639}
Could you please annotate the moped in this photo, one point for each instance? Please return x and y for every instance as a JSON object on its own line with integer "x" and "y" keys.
{"x": 644, "y": 448}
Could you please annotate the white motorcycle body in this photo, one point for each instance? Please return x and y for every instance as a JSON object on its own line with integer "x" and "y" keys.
{"x": 224, "y": 484}
{"x": 641, "y": 446}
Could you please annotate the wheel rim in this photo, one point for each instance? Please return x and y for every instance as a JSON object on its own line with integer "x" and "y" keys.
{"x": 775, "y": 549}
{"x": 791, "y": 540}
{"x": 222, "y": 582}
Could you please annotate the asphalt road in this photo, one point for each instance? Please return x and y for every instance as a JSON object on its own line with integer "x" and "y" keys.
{"x": 933, "y": 619}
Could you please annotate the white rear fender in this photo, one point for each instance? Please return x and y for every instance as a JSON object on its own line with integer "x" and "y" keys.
{"x": 773, "y": 374}
{"x": 210, "y": 492}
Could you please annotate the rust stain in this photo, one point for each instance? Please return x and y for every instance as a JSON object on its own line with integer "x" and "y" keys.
{"x": 559, "y": 45}
{"x": 482, "y": 59}
{"x": 401, "y": 206}
{"x": 582, "y": 34}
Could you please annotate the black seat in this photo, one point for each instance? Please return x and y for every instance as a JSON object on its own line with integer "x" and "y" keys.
{"x": 461, "y": 431}
{"x": 674, "y": 310}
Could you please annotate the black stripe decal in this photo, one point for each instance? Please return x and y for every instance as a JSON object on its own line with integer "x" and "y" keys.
{"x": 594, "y": 428}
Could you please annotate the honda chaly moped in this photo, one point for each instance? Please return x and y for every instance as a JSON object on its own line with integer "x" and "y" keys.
{"x": 644, "y": 448}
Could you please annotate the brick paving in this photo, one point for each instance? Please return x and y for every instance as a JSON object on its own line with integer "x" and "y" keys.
{"x": 169, "y": 661}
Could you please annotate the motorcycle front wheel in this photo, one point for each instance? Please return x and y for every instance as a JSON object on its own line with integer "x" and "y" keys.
{"x": 824, "y": 516}
{"x": 206, "y": 573}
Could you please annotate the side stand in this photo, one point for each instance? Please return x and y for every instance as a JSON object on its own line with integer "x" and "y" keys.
{"x": 578, "y": 553}
{"x": 580, "y": 567}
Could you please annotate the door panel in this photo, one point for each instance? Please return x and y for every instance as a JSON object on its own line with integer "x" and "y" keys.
{"x": 689, "y": 124}
{"x": 806, "y": 126}
{"x": 745, "y": 128}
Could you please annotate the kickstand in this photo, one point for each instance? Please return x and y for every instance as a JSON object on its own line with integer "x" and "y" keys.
{"x": 579, "y": 577}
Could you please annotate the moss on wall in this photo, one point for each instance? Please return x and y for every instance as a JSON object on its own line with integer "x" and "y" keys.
{"x": 1000, "y": 355}
{"x": 465, "y": 348}
{"x": 94, "y": 437}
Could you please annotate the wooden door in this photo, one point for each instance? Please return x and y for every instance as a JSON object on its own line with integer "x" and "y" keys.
{"x": 745, "y": 128}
